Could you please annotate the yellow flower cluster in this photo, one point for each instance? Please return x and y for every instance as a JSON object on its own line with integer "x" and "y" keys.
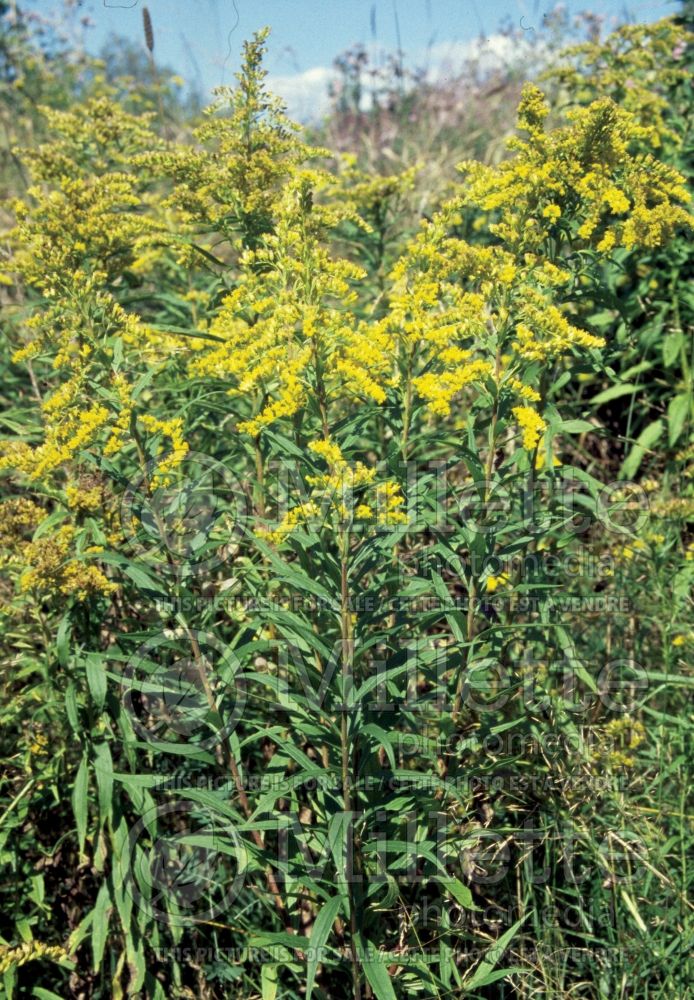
{"x": 103, "y": 225}
{"x": 532, "y": 425}
{"x": 439, "y": 389}
{"x": 621, "y": 736}
{"x": 53, "y": 571}
{"x": 48, "y": 565}
{"x": 83, "y": 497}
{"x": 30, "y": 951}
{"x": 673, "y": 507}
{"x": 19, "y": 518}
{"x": 496, "y": 581}
{"x": 389, "y": 504}
{"x": 329, "y": 451}
{"x": 467, "y": 317}
{"x": 71, "y": 433}
{"x": 521, "y": 389}
{"x": 172, "y": 430}
{"x": 344, "y": 494}
{"x": 629, "y": 552}
{"x": 78, "y": 230}
{"x": 637, "y": 66}
{"x": 440, "y": 313}
{"x": 247, "y": 149}
{"x": 542, "y": 331}
{"x": 590, "y": 171}
{"x": 302, "y": 514}
{"x": 121, "y": 425}
{"x": 38, "y": 745}
{"x": 285, "y": 327}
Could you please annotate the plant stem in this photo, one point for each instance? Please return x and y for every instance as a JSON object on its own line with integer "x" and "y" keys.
{"x": 347, "y": 637}
{"x": 260, "y": 478}
{"x": 472, "y": 586}
{"x": 469, "y": 635}
{"x": 235, "y": 774}
{"x": 406, "y": 415}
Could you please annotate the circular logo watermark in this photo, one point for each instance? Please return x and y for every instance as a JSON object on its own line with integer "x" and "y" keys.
{"x": 186, "y": 863}
{"x": 185, "y": 686}
{"x": 191, "y": 519}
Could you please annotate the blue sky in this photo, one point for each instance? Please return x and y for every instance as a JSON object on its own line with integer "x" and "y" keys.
{"x": 201, "y": 39}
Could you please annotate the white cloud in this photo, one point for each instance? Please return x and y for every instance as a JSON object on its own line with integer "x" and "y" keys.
{"x": 306, "y": 94}
{"x": 488, "y": 53}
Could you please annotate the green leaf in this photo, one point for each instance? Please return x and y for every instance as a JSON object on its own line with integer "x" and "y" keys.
{"x": 491, "y": 959}
{"x": 142, "y": 580}
{"x": 633, "y": 909}
{"x": 80, "y": 803}
{"x": 376, "y": 971}
{"x": 136, "y": 962}
{"x": 80, "y": 932}
{"x": 614, "y": 392}
{"x": 282, "y": 939}
{"x": 268, "y": 981}
{"x": 9, "y": 978}
{"x": 677, "y": 413}
{"x": 62, "y": 641}
{"x": 96, "y": 678}
{"x": 183, "y": 332}
{"x": 575, "y": 426}
{"x": 102, "y": 915}
{"x": 569, "y": 650}
{"x": 672, "y": 345}
{"x": 460, "y": 893}
{"x": 644, "y": 442}
{"x": 493, "y": 977}
{"x": 296, "y": 578}
{"x": 72, "y": 709}
{"x": 103, "y": 769}
{"x": 319, "y": 935}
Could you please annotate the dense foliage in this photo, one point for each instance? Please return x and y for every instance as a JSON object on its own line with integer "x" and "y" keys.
{"x": 345, "y": 546}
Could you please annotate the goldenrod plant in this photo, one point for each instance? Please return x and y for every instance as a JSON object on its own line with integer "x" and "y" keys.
{"x": 642, "y": 302}
{"x": 341, "y": 661}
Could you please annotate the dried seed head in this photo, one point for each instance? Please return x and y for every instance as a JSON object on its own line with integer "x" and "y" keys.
{"x": 149, "y": 32}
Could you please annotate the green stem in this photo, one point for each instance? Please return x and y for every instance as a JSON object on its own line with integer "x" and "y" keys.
{"x": 406, "y": 416}
{"x": 347, "y": 636}
{"x": 230, "y": 760}
{"x": 469, "y": 635}
{"x": 259, "y": 478}
{"x": 472, "y": 586}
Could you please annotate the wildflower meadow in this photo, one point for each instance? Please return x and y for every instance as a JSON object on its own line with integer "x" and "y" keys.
{"x": 346, "y": 528}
